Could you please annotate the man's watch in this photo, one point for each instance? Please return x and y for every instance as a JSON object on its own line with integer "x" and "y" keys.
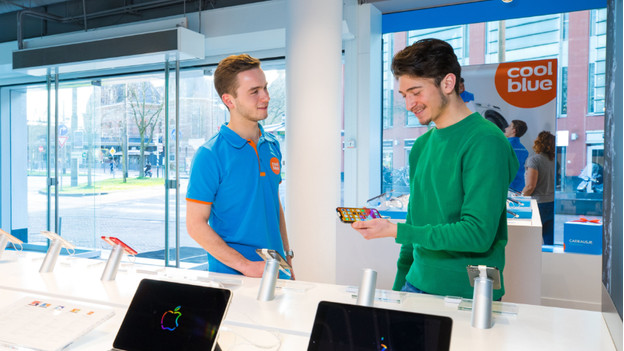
{"x": 290, "y": 253}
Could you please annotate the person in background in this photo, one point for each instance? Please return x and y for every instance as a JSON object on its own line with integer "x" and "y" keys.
{"x": 459, "y": 174}
{"x": 233, "y": 205}
{"x": 514, "y": 132}
{"x": 539, "y": 180}
{"x": 466, "y": 96}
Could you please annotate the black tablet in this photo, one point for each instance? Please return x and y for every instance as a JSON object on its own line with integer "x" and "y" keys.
{"x": 340, "y": 326}
{"x": 172, "y": 316}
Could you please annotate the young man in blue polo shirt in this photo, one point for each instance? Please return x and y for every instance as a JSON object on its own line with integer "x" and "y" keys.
{"x": 233, "y": 205}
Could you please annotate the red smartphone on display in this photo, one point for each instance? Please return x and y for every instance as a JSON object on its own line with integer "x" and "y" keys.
{"x": 116, "y": 241}
{"x": 352, "y": 214}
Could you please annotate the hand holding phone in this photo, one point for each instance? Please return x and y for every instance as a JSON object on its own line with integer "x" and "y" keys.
{"x": 352, "y": 214}
{"x": 116, "y": 241}
{"x": 53, "y": 236}
{"x": 11, "y": 238}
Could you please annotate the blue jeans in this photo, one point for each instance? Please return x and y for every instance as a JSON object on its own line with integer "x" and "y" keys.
{"x": 410, "y": 288}
{"x": 547, "y": 214}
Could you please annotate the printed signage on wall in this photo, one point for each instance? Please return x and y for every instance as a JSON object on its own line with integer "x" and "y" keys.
{"x": 525, "y": 90}
{"x": 527, "y": 84}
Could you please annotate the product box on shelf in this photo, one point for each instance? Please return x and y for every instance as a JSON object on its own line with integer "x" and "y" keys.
{"x": 582, "y": 236}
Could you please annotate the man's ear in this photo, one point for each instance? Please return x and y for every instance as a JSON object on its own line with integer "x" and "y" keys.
{"x": 228, "y": 100}
{"x": 448, "y": 83}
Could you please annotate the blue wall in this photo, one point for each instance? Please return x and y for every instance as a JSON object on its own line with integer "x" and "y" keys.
{"x": 484, "y": 11}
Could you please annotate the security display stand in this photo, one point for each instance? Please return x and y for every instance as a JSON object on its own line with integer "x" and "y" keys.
{"x": 50, "y": 258}
{"x": 482, "y": 303}
{"x": 366, "y": 293}
{"x": 4, "y": 240}
{"x": 485, "y": 280}
{"x": 269, "y": 278}
{"x": 112, "y": 265}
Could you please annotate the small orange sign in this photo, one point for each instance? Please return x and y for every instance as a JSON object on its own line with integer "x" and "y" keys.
{"x": 275, "y": 165}
{"x": 527, "y": 84}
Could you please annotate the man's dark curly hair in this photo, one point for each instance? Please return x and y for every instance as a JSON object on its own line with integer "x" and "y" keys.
{"x": 427, "y": 58}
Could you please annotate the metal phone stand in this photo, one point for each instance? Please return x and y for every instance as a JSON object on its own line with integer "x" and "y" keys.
{"x": 112, "y": 265}
{"x": 482, "y": 303}
{"x": 487, "y": 279}
{"x": 269, "y": 278}
{"x": 50, "y": 258}
{"x": 366, "y": 293}
{"x": 3, "y": 243}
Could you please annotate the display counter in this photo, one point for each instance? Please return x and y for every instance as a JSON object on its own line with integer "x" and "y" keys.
{"x": 285, "y": 322}
{"x": 523, "y": 266}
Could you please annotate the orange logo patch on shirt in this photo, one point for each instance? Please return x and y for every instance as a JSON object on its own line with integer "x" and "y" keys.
{"x": 275, "y": 165}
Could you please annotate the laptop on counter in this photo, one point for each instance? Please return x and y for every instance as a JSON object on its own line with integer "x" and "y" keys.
{"x": 173, "y": 316}
{"x": 339, "y": 326}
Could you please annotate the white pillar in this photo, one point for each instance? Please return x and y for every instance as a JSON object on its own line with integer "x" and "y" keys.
{"x": 314, "y": 96}
{"x": 362, "y": 101}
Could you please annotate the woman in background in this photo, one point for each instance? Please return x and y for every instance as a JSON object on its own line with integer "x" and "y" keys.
{"x": 539, "y": 178}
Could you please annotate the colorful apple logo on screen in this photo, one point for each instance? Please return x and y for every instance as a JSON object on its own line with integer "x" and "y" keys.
{"x": 169, "y": 320}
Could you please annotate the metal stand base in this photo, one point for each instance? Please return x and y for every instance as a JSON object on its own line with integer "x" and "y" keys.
{"x": 366, "y": 293}
{"x": 50, "y": 258}
{"x": 269, "y": 278}
{"x": 482, "y": 303}
{"x": 112, "y": 265}
{"x": 3, "y": 243}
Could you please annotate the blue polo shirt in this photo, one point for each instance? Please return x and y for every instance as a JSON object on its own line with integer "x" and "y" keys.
{"x": 522, "y": 154}
{"x": 240, "y": 180}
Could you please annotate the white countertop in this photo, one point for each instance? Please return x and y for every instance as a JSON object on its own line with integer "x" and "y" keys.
{"x": 287, "y": 320}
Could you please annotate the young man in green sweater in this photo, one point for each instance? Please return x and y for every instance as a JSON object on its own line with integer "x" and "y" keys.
{"x": 459, "y": 175}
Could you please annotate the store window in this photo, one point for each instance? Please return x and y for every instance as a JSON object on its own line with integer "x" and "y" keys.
{"x": 597, "y": 52}
{"x": 113, "y": 162}
{"x": 532, "y": 38}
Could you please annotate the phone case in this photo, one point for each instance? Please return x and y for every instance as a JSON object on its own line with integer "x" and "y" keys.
{"x": 267, "y": 254}
{"x": 11, "y": 238}
{"x": 116, "y": 241}
{"x": 53, "y": 236}
{"x": 492, "y": 273}
{"x": 352, "y": 214}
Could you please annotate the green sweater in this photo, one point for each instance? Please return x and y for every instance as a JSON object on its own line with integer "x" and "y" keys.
{"x": 456, "y": 216}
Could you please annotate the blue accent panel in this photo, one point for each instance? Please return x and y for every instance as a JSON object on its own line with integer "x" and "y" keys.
{"x": 393, "y": 214}
{"x": 477, "y": 12}
{"x": 21, "y": 234}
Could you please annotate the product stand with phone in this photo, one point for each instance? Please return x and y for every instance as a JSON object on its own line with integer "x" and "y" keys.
{"x": 274, "y": 263}
{"x": 112, "y": 265}
{"x": 56, "y": 244}
{"x": 6, "y": 238}
{"x": 484, "y": 279}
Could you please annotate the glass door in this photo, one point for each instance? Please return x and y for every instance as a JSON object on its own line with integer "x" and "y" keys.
{"x": 94, "y": 165}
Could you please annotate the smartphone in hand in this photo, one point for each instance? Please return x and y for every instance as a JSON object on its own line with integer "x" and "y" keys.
{"x": 352, "y": 214}
{"x": 116, "y": 241}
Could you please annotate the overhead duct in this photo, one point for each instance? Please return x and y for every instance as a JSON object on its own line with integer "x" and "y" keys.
{"x": 118, "y": 51}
